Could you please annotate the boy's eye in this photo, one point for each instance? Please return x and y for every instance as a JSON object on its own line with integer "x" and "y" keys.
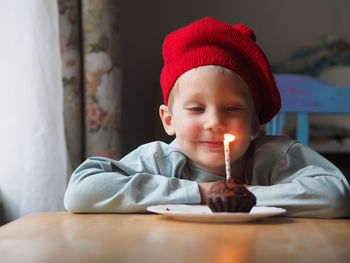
{"x": 196, "y": 109}
{"x": 232, "y": 108}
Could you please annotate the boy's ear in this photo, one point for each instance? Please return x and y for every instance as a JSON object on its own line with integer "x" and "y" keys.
{"x": 166, "y": 117}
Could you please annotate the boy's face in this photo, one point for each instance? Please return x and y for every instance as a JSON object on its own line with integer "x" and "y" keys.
{"x": 208, "y": 104}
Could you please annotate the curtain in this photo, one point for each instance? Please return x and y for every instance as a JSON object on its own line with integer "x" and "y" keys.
{"x": 91, "y": 76}
{"x": 61, "y": 97}
{"x": 33, "y": 160}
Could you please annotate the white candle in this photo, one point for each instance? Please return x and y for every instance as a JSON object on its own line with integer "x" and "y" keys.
{"x": 227, "y": 139}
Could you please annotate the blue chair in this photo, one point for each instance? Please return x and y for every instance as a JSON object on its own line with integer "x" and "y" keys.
{"x": 302, "y": 95}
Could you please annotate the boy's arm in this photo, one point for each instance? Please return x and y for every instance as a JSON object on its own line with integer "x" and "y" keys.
{"x": 102, "y": 185}
{"x": 306, "y": 184}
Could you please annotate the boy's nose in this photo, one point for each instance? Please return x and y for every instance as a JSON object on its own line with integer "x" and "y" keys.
{"x": 214, "y": 122}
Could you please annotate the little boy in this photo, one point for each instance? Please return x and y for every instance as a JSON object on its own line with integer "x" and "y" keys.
{"x": 215, "y": 80}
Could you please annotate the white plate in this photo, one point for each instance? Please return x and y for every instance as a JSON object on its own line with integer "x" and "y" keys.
{"x": 202, "y": 213}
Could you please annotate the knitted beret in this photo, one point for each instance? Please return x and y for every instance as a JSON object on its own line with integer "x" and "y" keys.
{"x": 212, "y": 42}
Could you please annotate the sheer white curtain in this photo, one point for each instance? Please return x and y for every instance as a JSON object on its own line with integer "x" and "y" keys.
{"x": 33, "y": 171}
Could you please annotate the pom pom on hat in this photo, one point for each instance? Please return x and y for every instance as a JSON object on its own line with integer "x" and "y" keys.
{"x": 212, "y": 42}
{"x": 246, "y": 31}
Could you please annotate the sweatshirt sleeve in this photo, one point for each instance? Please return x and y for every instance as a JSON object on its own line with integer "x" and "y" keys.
{"x": 304, "y": 183}
{"x": 147, "y": 176}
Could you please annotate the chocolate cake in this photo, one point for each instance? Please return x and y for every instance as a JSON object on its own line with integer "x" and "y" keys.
{"x": 227, "y": 196}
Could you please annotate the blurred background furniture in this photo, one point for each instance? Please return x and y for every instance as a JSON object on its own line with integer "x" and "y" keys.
{"x": 303, "y": 95}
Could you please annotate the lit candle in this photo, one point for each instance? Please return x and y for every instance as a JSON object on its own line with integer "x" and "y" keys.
{"x": 227, "y": 139}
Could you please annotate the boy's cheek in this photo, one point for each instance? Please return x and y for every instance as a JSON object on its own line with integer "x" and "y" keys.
{"x": 240, "y": 128}
{"x": 183, "y": 126}
{"x": 189, "y": 124}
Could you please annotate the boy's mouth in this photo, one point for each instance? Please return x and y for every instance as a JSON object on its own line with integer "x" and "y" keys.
{"x": 212, "y": 144}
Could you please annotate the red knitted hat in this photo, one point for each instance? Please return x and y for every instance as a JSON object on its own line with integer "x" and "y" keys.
{"x": 212, "y": 42}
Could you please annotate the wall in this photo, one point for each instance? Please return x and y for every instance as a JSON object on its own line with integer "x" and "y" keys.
{"x": 280, "y": 27}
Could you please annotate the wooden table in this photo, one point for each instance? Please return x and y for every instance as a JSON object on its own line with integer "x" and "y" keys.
{"x": 65, "y": 237}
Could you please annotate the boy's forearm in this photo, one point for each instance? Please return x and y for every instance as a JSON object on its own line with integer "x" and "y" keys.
{"x": 326, "y": 199}
{"x": 98, "y": 186}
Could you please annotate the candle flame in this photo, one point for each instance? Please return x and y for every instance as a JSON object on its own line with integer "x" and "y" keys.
{"x": 229, "y": 137}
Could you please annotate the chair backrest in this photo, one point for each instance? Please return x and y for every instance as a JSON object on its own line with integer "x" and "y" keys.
{"x": 302, "y": 95}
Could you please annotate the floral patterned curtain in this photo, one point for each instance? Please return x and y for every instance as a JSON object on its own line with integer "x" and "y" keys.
{"x": 91, "y": 75}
